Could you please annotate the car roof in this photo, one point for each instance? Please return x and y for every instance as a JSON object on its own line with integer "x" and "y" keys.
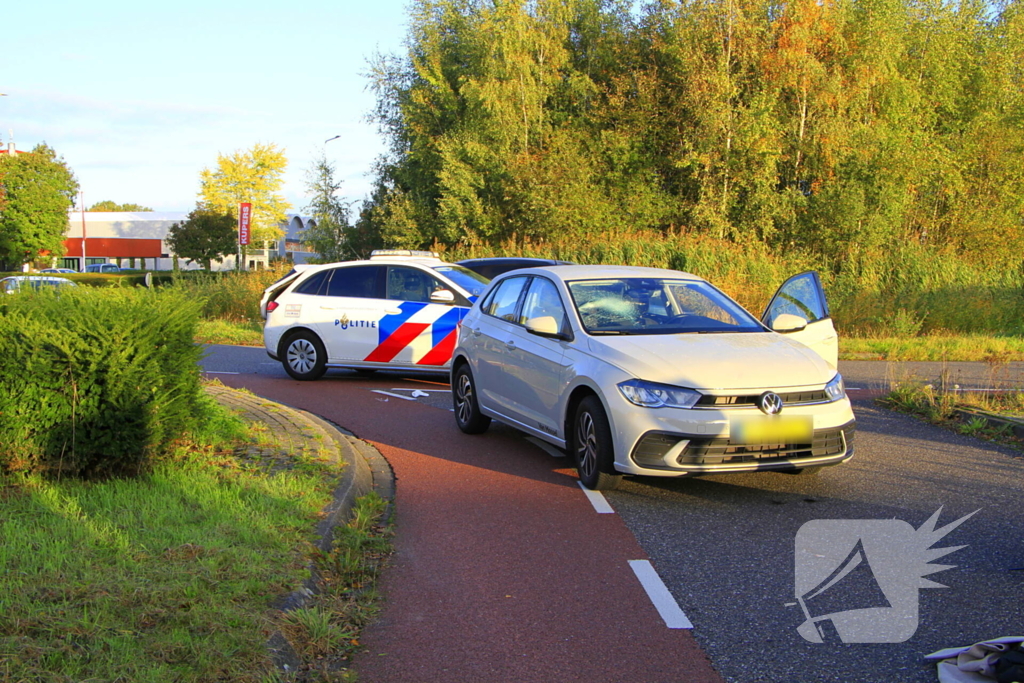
{"x": 510, "y": 259}
{"x": 589, "y": 272}
{"x": 429, "y": 262}
{"x": 36, "y": 278}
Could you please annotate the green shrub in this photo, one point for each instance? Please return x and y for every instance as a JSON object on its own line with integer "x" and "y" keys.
{"x": 96, "y": 382}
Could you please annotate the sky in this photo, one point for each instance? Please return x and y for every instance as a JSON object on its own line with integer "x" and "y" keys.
{"x": 139, "y": 97}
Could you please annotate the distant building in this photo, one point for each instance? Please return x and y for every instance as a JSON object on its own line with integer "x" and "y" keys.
{"x": 122, "y": 236}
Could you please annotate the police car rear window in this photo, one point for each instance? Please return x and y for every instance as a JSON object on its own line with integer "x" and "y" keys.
{"x": 354, "y": 281}
{"x": 311, "y": 285}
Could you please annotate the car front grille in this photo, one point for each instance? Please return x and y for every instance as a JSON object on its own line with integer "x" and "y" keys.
{"x": 720, "y": 451}
{"x": 747, "y": 400}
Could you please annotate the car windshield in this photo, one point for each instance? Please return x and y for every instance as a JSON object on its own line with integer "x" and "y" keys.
{"x": 474, "y": 283}
{"x": 657, "y": 306}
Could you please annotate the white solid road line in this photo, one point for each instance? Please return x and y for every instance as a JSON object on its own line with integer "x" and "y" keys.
{"x": 663, "y": 601}
{"x": 388, "y": 393}
{"x": 599, "y": 502}
{"x": 546, "y": 447}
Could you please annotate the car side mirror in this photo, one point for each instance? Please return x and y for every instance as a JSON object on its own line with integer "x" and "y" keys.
{"x": 544, "y": 326}
{"x": 442, "y": 296}
{"x": 788, "y": 322}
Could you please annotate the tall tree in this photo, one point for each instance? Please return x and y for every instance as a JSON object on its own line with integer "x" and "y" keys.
{"x": 38, "y": 189}
{"x": 108, "y": 205}
{"x": 255, "y": 176}
{"x": 205, "y": 236}
{"x": 329, "y": 237}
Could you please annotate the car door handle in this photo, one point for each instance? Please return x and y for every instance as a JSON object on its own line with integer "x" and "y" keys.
{"x": 392, "y": 311}
{"x": 510, "y": 345}
{"x": 474, "y": 330}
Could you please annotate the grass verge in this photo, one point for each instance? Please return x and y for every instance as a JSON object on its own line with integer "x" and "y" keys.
{"x": 933, "y": 347}
{"x": 172, "y": 576}
{"x": 220, "y": 331}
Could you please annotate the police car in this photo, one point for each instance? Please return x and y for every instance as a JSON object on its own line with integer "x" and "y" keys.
{"x": 400, "y": 309}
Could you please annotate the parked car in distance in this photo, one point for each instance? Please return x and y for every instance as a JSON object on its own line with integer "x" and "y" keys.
{"x": 58, "y": 270}
{"x": 102, "y": 268}
{"x": 498, "y": 265}
{"x": 399, "y": 309}
{"x": 645, "y": 371}
{"x": 16, "y": 283}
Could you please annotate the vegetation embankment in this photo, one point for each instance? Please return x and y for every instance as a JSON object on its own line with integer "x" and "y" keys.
{"x": 961, "y": 411}
{"x": 140, "y": 543}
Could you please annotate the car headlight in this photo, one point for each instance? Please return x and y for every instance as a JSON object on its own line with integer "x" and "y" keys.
{"x": 835, "y": 389}
{"x": 651, "y": 395}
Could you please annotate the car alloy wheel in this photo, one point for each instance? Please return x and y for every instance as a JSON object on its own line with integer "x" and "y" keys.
{"x": 592, "y": 446}
{"x": 467, "y": 411}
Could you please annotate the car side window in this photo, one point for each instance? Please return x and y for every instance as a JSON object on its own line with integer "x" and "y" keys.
{"x": 411, "y": 284}
{"x": 503, "y": 303}
{"x": 313, "y": 283}
{"x": 542, "y": 301}
{"x": 799, "y": 296}
{"x": 354, "y": 281}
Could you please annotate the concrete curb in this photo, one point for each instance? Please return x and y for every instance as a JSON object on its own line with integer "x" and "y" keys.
{"x": 1015, "y": 425}
{"x": 293, "y": 431}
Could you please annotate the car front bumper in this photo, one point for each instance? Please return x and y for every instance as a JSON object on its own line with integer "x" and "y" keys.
{"x": 670, "y": 442}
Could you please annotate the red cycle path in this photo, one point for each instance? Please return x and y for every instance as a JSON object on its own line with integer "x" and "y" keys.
{"x": 503, "y": 571}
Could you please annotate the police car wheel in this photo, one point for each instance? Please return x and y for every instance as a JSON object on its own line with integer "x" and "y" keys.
{"x": 467, "y": 411}
{"x": 305, "y": 357}
{"x": 592, "y": 446}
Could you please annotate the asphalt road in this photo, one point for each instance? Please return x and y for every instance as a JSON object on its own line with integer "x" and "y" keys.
{"x": 725, "y": 546}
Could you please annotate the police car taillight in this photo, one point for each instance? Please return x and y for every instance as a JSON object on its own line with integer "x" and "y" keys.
{"x": 272, "y": 306}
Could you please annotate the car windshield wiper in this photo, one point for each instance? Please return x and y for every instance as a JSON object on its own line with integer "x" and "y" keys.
{"x": 597, "y": 333}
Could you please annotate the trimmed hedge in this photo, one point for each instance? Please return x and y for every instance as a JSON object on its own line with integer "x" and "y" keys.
{"x": 96, "y": 382}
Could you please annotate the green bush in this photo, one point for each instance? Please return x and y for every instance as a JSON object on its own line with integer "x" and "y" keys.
{"x": 96, "y": 382}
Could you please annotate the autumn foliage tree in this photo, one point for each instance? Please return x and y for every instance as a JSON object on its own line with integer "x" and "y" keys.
{"x": 255, "y": 176}
{"x": 839, "y": 127}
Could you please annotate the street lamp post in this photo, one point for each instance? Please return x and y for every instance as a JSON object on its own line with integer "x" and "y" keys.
{"x": 329, "y": 139}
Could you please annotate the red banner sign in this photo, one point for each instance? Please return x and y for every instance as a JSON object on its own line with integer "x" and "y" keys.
{"x": 244, "y": 214}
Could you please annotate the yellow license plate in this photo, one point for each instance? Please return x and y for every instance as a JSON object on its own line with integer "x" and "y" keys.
{"x": 771, "y": 429}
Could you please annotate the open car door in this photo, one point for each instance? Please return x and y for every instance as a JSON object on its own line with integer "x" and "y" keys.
{"x": 799, "y": 310}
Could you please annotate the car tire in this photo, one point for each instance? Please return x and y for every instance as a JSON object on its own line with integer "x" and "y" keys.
{"x": 304, "y": 356}
{"x": 592, "y": 446}
{"x": 467, "y": 410}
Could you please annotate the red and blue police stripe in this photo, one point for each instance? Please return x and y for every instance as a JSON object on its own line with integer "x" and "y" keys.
{"x": 400, "y": 330}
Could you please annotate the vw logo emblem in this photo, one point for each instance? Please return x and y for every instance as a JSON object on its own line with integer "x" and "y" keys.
{"x": 770, "y": 403}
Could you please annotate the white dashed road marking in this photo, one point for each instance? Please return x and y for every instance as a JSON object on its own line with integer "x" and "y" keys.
{"x": 388, "y": 393}
{"x": 599, "y": 502}
{"x": 663, "y": 601}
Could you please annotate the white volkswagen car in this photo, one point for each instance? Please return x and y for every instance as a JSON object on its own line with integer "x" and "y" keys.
{"x": 654, "y": 372}
{"x": 399, "y": 309}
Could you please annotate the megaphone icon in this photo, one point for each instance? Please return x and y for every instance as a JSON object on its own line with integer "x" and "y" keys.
{"x": 851, "y": 585}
